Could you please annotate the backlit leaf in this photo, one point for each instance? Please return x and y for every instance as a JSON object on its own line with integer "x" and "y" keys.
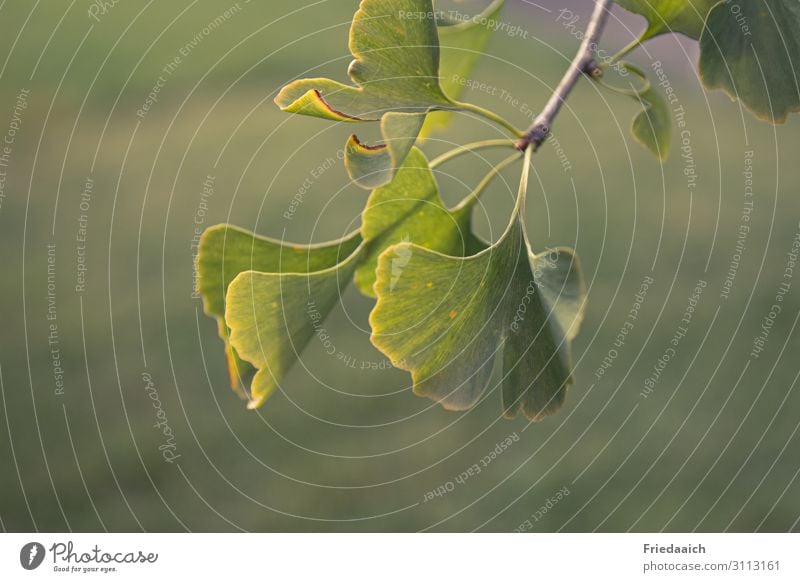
{"x": 396, "y": 69}
{"x": 373, "y": 166}
{"x": 226, "y": 251}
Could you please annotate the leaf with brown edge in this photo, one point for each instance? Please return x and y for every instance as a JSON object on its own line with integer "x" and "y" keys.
{"x": 396, "y": 75}
{"x": 373, "y": 166}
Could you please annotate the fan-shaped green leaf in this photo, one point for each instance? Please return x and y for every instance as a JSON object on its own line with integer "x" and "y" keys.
{"x": 226, "y": 251}
{"x": 445, "y": 318}
{"x": 752, "y": 52}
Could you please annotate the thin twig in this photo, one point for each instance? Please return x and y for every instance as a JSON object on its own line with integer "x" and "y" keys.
{"x": 491, "y": 116}
{"x": 582, "y": 63}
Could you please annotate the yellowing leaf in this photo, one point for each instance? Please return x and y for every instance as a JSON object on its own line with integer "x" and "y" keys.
{"x": 225, "y": 253}
{"x": 396, "y": 70}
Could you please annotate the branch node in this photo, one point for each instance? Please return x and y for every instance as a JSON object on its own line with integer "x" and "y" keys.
{"x": 593, "y": 69}
{"x": 584, "y": 63}
{"x": 534, "y": 136}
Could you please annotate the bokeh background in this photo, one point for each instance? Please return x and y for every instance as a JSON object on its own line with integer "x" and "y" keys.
{"x": 713, "y": 446}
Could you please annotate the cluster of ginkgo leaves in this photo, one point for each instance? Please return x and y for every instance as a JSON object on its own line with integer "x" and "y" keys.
{"x": 448, "y": 304}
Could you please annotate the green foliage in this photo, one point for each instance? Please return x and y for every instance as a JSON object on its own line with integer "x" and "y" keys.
{"x": 396, "y": 68}
{"x": 272, "y": 316}
{"x": 445, "y": 319}
{"x": 410, "y": 209}
{"x": 753, "y": 54}
{"x": 751, "y": 49}
{"x": 227, "y": 252}
{"x": 449, "y": 304}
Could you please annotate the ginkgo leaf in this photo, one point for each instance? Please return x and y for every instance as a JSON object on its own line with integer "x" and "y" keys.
{"x": 396, "y": 69}
{"x": 753, "y": 54}
{"x": 446, "y": 318}
{"x": 537, "y": 353}
{"x": 665, "y": 16}
{"x": 460, "y": 46}
{"x": 374, "y": 166}
{"x": 410, "y": 209}
{"x": 272, "y": 317}
{"x": 226, "y": 251}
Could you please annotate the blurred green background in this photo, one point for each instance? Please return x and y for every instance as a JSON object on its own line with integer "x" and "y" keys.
{"x": 713, "y": 447}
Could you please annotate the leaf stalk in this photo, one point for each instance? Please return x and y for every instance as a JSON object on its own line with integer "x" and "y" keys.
{"x": 491, "y": 116}
{"x": 470, "y": 147}
{"x": 473, "y": 196}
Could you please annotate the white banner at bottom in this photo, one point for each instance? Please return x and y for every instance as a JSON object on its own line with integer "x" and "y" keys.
{"x": 371, "y": 557}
